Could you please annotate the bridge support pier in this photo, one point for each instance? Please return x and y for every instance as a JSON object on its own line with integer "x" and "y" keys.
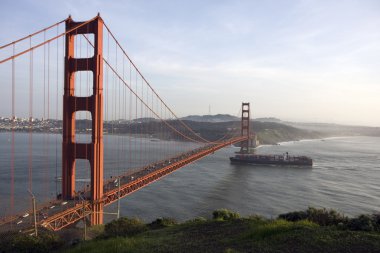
{"x": 94, "y": 104}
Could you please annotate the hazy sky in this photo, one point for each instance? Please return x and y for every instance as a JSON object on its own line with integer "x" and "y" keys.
{"x": 300, "y": 60}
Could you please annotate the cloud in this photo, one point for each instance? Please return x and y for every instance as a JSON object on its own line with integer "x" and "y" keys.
{"x": 302, "y": 60}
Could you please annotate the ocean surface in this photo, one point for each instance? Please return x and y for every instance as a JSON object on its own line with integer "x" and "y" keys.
{"x": 345, "y": 177}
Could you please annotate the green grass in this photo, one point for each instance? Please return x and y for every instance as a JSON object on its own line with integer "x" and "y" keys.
{"x": 278, "y": 227}
{"x": 313, "y": 230}
{"x": 240, "y": 235}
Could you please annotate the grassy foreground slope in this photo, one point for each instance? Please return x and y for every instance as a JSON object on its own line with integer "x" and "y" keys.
{"x": 311, "y": 230}
{"x": 235, "y": 234}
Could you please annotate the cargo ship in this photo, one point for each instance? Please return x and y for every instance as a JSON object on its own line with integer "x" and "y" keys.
{"x": 284, "y": 159}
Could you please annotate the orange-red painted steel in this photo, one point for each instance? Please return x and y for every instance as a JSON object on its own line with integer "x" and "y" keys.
{"x": 94, "y": 104}
{"x": 94, "y": 151}
{"x": 72, "y": 215}
{"x": 14, "y": 56}
{"x": 68, "y": 216}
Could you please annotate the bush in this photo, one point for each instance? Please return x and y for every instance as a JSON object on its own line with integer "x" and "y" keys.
{"x": 361, "y": 223}
{"x": 229, "y": 250}
{"x": 196, "y": 220}
{"x": 376, "y": 221}
{"x": 325, "y": 217}
{"x": 46, "y": 241}
{"x": 224, "y": 214}
{"x": 162, "y": 223}
{"x": 199, "y": 219}
{"x": 322, "y": 217}
{"x": 294, "y": 216}
{"x": 124, "y": 227}
{"x": 279, "y": 226}
{"x": 258, "y": 218}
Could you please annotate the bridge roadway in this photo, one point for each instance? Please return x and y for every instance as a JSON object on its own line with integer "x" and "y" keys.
{"x": 58, "y": 214}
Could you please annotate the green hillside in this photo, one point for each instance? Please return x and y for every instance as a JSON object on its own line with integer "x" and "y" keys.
{"x": 313, "y": 230}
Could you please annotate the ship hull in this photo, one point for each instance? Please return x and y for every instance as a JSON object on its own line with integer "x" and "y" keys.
{"x": 271, "y": 160}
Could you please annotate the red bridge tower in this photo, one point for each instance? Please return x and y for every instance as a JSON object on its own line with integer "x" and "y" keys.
{"x": 94, "y": 104}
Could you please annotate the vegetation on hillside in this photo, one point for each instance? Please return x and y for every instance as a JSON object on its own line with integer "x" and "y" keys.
{"x": 268, "y": 132}
{"x": 272, "y": 133}
{"x": 312, "y": 230}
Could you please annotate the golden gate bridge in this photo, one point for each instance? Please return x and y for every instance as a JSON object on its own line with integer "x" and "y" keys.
{"x": 70, "y": 86}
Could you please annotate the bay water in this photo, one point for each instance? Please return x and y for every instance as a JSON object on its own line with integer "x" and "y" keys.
{"x": 345, "y": 176}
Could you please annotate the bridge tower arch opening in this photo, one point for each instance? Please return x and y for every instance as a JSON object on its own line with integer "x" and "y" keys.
{"x": 71, "y": 150}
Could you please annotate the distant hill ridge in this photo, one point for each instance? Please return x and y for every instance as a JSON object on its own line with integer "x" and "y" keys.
{"x": 211, "y": 118}
{"x": 324, "y": 129}
{"x": 225, "y": 118}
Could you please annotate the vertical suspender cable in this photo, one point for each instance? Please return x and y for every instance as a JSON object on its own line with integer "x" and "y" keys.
{"x": 135, "y": 125}
{"x": 56, "y": 118}
{"x": 141, "y": 151}
{"x": 117, "y": 114}
{"x": 44, "y": 76}
{"x": 124, "y": 117}
{"x": 46, "y": 158}
{"x": 162, "y": 146}
{"x": 48, "y": 118}
{"x": 130, "y": 117}
{"x": 146, "y": 131}
{"x": 13, "y": 131}
{"x": 106, "y": 88}
{"x": 30, "y": 116}
{"x": 120, "y": 140}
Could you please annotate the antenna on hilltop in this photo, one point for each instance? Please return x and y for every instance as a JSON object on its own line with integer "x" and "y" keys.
{"x": 209, "y": 109}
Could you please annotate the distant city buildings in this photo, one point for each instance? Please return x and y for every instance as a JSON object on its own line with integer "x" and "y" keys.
{"x": 25, "y": 124}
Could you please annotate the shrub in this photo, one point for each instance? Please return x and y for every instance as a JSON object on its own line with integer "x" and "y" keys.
{"x": 325, "y": 217}
{"x": 224, "y": 214}
{"x": 46, "y": 241}
{"x": 279, "y": 226}
{"x": 162, "y": 222}
{"x": 124, "y": 227}
{"x": 322, "y": 217}
{"x": 361, "y": 223}
{"x": 199, "y": 219}
{"x": 294, "y": 216}
{"x": 95, "y": 231}
{"x": 376, "y": 221}
{"x": 229, "y": 250}
{"x": 196, "y": 220}
{"x": 6, "y": 240}
{"x": 256, "y": 217}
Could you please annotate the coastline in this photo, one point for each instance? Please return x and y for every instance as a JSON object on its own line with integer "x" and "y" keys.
{"x": 304, "y": 140}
